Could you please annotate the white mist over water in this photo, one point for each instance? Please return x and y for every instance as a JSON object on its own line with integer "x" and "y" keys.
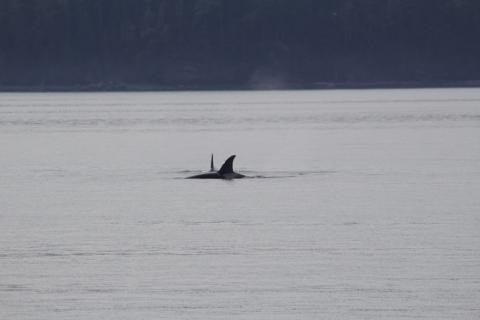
{"x": 371, "y": 208}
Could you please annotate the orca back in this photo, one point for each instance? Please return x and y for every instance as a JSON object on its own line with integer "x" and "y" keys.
{"x": 208, "y": 175}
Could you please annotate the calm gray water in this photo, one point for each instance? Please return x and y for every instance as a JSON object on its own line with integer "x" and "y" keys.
{"x": 366, "y": 205}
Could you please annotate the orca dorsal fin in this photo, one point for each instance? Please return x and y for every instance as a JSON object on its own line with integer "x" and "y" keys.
{"x": 212, "y": 167}
{"x": 227, "y": 166}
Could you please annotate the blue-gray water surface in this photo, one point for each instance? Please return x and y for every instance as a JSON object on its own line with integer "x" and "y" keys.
{"x": 364, "y": 205}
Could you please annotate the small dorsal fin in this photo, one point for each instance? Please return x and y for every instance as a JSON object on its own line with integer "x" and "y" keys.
{"x": 212, "y": 167}
{"x": 227, "y": 166}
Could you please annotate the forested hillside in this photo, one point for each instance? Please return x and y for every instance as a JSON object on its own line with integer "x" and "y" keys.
{"x": 115, "y": 44}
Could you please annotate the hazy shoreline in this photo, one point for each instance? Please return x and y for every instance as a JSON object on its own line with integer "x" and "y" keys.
{"x": 105, "y": 87}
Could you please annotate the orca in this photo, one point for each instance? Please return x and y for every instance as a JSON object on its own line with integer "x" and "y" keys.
{"x": 212, "y": 167}
{"x": 226, "y": 171}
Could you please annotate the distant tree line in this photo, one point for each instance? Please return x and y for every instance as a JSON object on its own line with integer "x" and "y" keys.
{"x": 237, "y": 43}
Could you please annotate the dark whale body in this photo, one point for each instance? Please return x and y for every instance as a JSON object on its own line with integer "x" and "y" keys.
{"x": 226, "y": 171}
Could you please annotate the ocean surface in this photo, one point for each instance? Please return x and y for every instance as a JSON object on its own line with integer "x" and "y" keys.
{"x": 362, "y": 204}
